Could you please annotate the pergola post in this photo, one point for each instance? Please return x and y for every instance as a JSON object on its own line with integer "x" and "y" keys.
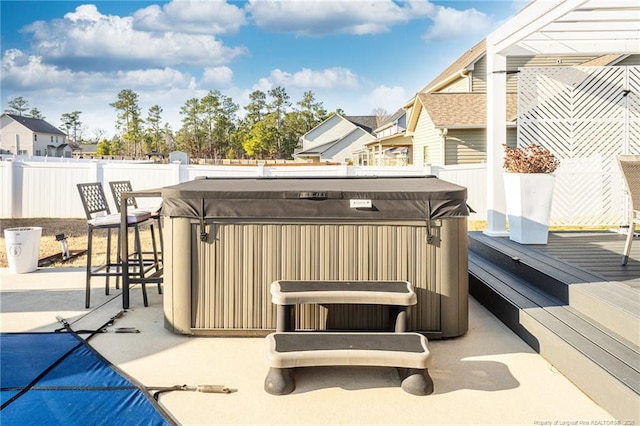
{"x": 496, "y": 137}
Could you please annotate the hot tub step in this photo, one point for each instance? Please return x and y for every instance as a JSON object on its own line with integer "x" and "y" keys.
{"x": 406, "y": 351}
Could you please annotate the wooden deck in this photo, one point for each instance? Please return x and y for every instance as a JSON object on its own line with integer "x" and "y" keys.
{"x": 599, "y": 253}
{"x": 573, "y": 302}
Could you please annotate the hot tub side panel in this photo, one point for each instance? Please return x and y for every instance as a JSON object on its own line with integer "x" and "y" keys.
{"x": 227, "y": 288}
{"x": 177, "y": 266}
{"x": 453, "y": 276}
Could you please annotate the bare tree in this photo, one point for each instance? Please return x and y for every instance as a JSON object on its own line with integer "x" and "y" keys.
{"x": 381, "y": 115}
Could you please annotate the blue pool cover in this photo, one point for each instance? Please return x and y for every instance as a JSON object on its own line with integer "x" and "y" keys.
{"x": 57, "y": 378}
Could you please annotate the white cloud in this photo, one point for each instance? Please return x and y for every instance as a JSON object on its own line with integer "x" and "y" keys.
{"x": 451, "y": 23}
{"x": 388, "y": 98}
{"x": 263, "y": 84}
{"x": 313, "y": 17}
{"x": 217, "y": 76}
{"x": 29, "y": 73}
{"x": 329, "y": 78}
{"x": 86, "y": 12}
{"x": 89, "y": 36}
{"x": 55, "y": 91}
{"x": 154, "y": 78}
{"x": 187, "y": 16}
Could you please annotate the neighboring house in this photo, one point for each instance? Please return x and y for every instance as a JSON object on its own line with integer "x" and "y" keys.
{"x": 447, "y": 118}
{"x": 391, "y": 147}
{"x": 338, "y": 139}
{"x": 20, "y": 135}
{"x": 450, "y": 128}
{"x": 86, "y": 150}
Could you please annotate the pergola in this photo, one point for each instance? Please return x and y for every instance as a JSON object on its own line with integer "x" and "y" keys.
{"x": 547, "y": 27}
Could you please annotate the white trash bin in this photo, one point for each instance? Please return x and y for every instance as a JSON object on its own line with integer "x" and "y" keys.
{"x": 23, "y": 248}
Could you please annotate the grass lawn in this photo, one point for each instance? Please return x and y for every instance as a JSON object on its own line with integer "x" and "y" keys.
{"x": 76, "y": 232}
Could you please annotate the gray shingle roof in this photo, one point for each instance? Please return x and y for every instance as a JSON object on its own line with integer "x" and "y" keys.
{"x": 320, "y": 149}
{"x": 36, "y": 125}
{"x": 366, "y": 122}
{"x": 393, "y": 117}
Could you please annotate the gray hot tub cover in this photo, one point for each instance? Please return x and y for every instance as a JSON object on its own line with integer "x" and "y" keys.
{"x": 309, "y": 198}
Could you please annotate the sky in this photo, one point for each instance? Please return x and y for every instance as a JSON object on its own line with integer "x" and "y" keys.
{"x": 357, "y": 55}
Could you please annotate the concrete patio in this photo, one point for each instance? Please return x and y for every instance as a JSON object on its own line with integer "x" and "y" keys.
{"x": 488, "y": 376}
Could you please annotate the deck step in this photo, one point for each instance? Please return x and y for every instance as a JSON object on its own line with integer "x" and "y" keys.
{"x": 614, "y": 305}
{"x": 600, "y": 362}
{"x": 611, "y": 304}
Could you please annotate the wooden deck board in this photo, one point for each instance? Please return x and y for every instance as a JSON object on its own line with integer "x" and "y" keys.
{"x": 587, "y": 256}
{"x": 597, "y": 253}
{"x": 589, "y": 263}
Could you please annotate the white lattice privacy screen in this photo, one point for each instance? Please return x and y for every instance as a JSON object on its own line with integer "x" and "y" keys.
{"x": 586, "y": 116}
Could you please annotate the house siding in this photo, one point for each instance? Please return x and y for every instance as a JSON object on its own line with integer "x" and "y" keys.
{"x": 18, "y": 139}
{"x": 399, "y": 126}
{"x": 459, "y": 85}
{"x": 337, "y": 138}
{"x": 345, "y": 150}
{"x": 332, "y": 129}
{"x": 41, "y": 142}
{"x": 15, "y": 138}
{"x": 389, "y": 131}
{"x": 469, "y": 146}
{"x": 466, "y": 147}
{"x": 512, "y": 137}
{"x": 479, "y": 74}
{"x": 426, "y": 136}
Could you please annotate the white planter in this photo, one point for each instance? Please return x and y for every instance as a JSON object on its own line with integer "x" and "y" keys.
{"x": 23, "y": 248}
{"x": 528, "y": 197}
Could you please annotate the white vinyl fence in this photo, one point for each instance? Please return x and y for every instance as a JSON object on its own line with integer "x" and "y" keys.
{"x": 33, "y": 187}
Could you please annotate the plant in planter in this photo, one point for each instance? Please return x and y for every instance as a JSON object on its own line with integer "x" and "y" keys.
{"x": 529, "y": 185}
{"x": 529, "y": 159}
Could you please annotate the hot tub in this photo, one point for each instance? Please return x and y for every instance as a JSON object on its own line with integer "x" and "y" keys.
{"x": 228, "y": 239}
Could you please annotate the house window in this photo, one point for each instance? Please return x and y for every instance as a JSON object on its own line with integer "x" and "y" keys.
{"x": 425, "y": 154}
{"x": 51, "y": 138}
{"x": 35, "y": 137}
{"x": 38, "y": 152}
